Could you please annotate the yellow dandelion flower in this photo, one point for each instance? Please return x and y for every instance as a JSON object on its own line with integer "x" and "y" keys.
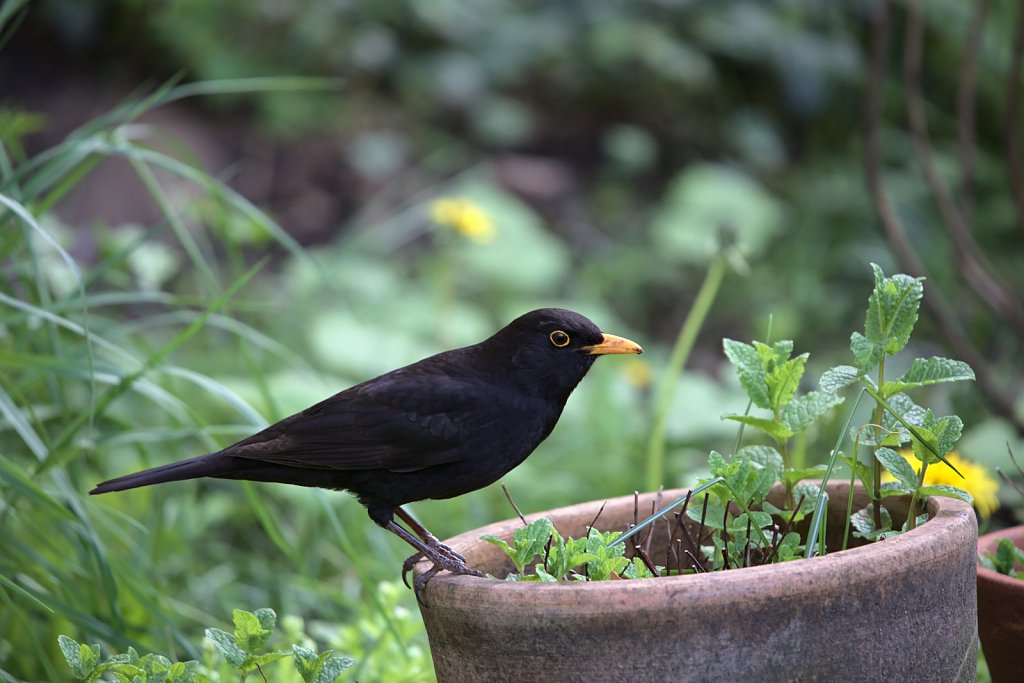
{"x": 465, "y": 217}
{"x": 977, "y": 481}
{"x": 638, "y": 373}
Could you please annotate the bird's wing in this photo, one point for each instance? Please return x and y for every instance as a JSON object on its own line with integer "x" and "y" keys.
{"x": 400, "y": 421}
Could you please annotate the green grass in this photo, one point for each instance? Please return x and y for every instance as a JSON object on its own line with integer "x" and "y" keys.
{"x": 99, "y": 377}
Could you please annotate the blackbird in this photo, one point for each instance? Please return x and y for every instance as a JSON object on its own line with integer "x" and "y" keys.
{"x": 446, "y": 425}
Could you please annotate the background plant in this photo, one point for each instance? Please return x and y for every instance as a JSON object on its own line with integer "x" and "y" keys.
{"x": 240, "y": 655}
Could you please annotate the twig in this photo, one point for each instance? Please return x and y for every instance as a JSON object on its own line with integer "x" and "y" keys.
{"x": 696, "y": 563}
{"x": 680, "y": 516}
{"x": 746, "y": 547}
{"x": 516, "y": 507}
{"x": 1014, "y": 165}
{"x": 966, "y": 95}
{"x": 655, "y": 505}
{"x": 893, "y": 227}
{"x": 974, "y": 267}
{"x": 596, "y": 517}
{"x": 785, "y": 530}
{"x": 725, "y": 539}
{"x": 646, "y": 559}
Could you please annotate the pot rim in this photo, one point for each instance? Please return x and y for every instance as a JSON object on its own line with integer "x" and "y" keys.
{"x": 987, "y": 543}
{"x": 948, "y": 517}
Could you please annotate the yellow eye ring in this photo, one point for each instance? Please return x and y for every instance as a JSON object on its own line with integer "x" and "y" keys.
{"x": 559, "y": 338}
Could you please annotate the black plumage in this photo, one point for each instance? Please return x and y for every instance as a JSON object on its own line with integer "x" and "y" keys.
{"x": 446, "y": 425}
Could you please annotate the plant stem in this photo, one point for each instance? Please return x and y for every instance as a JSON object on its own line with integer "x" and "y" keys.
{"x": 912, "y": 520}
{"x": 876, "y": 465}
{"x": 680, "y": 352}
{"x": 787, "y": 465}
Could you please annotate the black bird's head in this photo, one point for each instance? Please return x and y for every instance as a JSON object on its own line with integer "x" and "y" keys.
{"x": 552, "y": 349}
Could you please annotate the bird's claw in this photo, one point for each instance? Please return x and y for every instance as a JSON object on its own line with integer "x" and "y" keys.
{"x": 444, "y": 551}
{"x": 407, "y": 566}
{"x": 446, "y": 559}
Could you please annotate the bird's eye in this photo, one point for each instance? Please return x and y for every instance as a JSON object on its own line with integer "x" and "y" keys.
{"x": 559, "y": 338}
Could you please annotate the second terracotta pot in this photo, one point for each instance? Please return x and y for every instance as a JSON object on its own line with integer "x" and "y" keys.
{"x": 1001, "y": 612}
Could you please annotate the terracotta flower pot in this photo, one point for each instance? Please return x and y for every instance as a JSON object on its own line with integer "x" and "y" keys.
{"x": 1001, "y": 612}
{"x": 903, "y": 608}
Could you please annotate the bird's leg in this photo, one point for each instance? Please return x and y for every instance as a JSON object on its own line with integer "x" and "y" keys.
{"x": 430, "y": 540}
{"x": 441, "y": 560}
{"x": 427, "y": 537}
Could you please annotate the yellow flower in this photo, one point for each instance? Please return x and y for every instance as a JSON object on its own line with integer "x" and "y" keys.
{"x": 638, "y": 373}
{"x": 977, "y": 480}
{"x": 465, "y": 217}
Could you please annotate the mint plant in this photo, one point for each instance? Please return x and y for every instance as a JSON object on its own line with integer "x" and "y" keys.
{"x": 771, "y": 378}
{"x": 743, "y": 527}
{"x": 592, "y": 558}
{"x": 892, "y": 313}
{"x": 1005, "y": 559}
{"x": 85, "y": 664}
{"x": 241, "y": 650}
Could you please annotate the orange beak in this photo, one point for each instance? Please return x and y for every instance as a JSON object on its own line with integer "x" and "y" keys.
{"x": 611, "y": 344}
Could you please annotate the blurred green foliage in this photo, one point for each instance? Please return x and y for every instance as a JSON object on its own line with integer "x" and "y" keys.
{"x": 616, "y": 147}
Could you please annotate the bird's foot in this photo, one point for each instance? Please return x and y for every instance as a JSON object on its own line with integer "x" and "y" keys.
{"x": 444, "y": 551}
{"x": 452, "y": 562}
{"x": 449, "y": 552}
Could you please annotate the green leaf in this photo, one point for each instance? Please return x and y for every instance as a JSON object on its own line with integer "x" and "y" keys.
{"x": 801, "y": 412}
{"x": 894, "y": 488}
{"x": 527, "y": 542}
{"x": 267, "y": 618}
{"x": 81, "y": 658}
{"x": 892, "y": 310}
{"x": 789, "y": 548}
{"x": 183, "y": 672}
{"x": 267, "y": 658}
{"x": 797, "y": 473}
{"x": 332, "y": 667}
{"x": 720, "y": 467}
{"x": 228, "y": 646}
{"x": 784, "y": 380}
{"x": 866, "y": 353}
{"x": 909, "y": 411}
{"x": 565, "y": 555}
{"x": 839, "y": 377}
{"x": 1005, "y": 559}
{"x": 779, "y": 432}
{"x": 940, "y": 433}
{"x": 748, "y": 368}
{"x": 864, "y": 524}
{"x": 863, "y": 472}
{"x": 715, "y": 513}
{"x": 491, "y": 538}
{"x": 609, "y": 559}
{"x": 250, "y": 633}
{"x": 322, "y": 668}
{"x": 760, "y": 520}
{"x": 305, "y": 661}
{"x": 543, "y": 574}
{"x": 948, "y": 432}
{"x": 809, "y": 491}
{"x": 918, "y": 521}
{"x": 947, "y": 491}
{"x": 923, "y": 372}
{"x": 898, "y": 467}
{"x": 763, "y": 455}
{"x": 636, "y": 569}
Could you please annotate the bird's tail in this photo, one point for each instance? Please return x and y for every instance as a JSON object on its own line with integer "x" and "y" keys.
{"x": 210, "y": 465}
